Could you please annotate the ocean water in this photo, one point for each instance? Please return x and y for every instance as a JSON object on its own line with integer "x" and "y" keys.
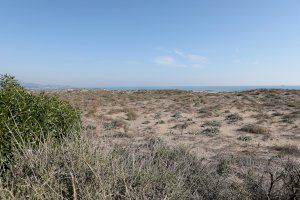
{"x": 205, "y": 88}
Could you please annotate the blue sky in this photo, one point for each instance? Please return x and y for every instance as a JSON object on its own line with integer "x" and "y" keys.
{"x": 94, "y": 43}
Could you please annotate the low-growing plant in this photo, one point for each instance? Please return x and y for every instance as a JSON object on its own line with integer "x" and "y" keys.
{"x": 76, "y": 169}
{"x": 254, "y": 128}
{"x": 114, "y": 124}
{"x": 131, "y": 115}
{"x": 161, "y": 122}
{"x": 212, "y": 123}
{"x": 90, "y": 127}
{"x": 157, "y": 116}
{"x": 233, "y": 117}
{"x": 288, "y": 119}
{"x": 177, "y": 115}
{"x": 245, "y": 138}
{"x": 181, "y": 126}
{"x": 146, "y": 122}
{"x": 288, "y": 149}
{"x": 210, "y": 132}
{"x": 223, "y": 166}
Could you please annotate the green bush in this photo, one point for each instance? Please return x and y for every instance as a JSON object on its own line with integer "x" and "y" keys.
{"x": 31, "y": 118}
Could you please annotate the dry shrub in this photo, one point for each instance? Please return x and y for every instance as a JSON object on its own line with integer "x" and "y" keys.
{"x": 233, "y": 117}
{"x": 254, "y": 128}
{"x": 288, "y": 149}
{"x": 115, "y": 124}
{"x": 131, "y": 115}
{"x": 77, "y": 169}
{"x": 212, "y": 123}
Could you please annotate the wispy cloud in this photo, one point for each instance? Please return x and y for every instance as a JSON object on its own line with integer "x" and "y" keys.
{"x": 178, "y": 58}
{"x": 196, "y": 58}
{"x": 168, "y": 61}
{"x": 179, "y": 53}
{"x": 164, "y": 60}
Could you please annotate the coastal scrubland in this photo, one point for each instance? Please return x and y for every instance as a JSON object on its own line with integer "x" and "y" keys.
{"x": 156, "y": 144}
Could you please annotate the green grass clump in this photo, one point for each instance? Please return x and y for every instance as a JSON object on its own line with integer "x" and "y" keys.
{"x": 212, "y": 123}
{"x": 211, "y": 131}
{"x": 233, "y": 117}
{"x": 31, "y": 118}
{"x": 161, "y": 122}
{"x": 245, "y": 138}
{"x": 177, "y": 115}
{"x": 146, "y": 122}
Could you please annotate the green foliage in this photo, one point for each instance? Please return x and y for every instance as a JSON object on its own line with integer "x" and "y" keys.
{"x": 177, "y": 115}
{"x": 245, "y": 138}
{"x": 26, "y": 118}
{"x": 146, "y": 122}
{"x": 212, "y": 123}
{"x": 161, "y": 122}
{"x": 233, "y": 117}
{"x": 211, "y": 131}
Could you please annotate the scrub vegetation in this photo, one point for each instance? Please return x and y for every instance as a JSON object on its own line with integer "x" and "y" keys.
{"x": 45, "y": 154}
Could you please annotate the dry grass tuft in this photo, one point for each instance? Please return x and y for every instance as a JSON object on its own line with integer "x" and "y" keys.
{"x": 233, "y": 117}
{"x": 288, "y": 149}
{"x": 131, "y": 115}
{"x": 77, "y": 169}
{"x": 256, "y": 129}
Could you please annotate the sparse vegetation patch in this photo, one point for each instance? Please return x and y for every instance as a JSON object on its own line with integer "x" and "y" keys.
{"x": 210, "y": 132}
{"x": 245, "y": 138}
{"x": 131, "y": 115}
{"x": 233, "y": 117}
{"x": 288, "y": 149}
{"x": 254, "y": 128}
{"x": 212, "y": 123}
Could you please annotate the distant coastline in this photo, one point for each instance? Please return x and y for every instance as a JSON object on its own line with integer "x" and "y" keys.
{"x": 204, "y": 88}
{"x": 188, "y": 88}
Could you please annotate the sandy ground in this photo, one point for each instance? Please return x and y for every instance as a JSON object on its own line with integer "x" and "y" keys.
{"x": 204, "y": 123}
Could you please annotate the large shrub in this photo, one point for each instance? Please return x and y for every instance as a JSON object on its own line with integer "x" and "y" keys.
{"x": 31, "y": 118}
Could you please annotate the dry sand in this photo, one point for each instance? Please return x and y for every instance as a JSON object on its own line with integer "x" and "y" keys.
{"x": 204, "y": 123}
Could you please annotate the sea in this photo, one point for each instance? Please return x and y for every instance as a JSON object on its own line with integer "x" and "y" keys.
{"x": 204, "y": 88}
{"x": 193, "y": 88}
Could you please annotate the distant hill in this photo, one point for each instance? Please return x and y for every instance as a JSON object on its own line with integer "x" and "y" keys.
{"x": 38, "y": 86}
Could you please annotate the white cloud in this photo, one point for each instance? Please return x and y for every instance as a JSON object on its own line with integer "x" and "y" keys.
{"x": 177, "y": 58}
{"x": 168, "y": 61}
{"x": 177, "y": 52}
{"x": 196, "y": 58}
{"x": 164, "y": 60}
